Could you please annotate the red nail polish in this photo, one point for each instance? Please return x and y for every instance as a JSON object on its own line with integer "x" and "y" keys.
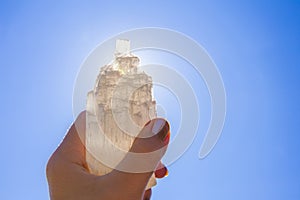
{"x": 167, "y": 172}
{"x": 162, "y": 172}
{"x": 167, "y": 138}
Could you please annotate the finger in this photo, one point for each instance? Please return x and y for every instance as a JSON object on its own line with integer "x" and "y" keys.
{"x": 147, "y": 194}
{"x": 154, "y": 136}
{"x": 71, "y": 148}
{"x": 161, "y": 171}
{"x": 66, "y": 168}
{"x": 137, "y": 168}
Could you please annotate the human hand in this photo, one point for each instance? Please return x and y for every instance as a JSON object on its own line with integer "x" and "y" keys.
{"x": 68, "y": 176}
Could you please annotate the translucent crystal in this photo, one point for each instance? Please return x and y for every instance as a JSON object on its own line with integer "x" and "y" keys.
{"x": 117, "y": 109}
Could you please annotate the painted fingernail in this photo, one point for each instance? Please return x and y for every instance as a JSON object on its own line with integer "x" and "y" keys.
{"x": 161, "y": 173}
{"x": 166, "y": 138}
{"x": 158, "y": 126}
{"x": 162, "y": 129}
{"x": 167, "y": 172}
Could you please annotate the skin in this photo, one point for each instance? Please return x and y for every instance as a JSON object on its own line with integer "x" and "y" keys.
{"x": 69, "y": 178}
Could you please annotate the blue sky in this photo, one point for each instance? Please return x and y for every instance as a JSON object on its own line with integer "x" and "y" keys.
{"x": 255, "y": 45}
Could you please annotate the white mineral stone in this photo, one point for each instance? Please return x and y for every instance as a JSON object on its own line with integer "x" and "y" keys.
{"x": 117, "y": 109}
{"x": 122, "y": 47}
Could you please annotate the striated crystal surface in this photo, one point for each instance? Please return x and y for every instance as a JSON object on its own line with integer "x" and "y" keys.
{"x": 117, "y": 109}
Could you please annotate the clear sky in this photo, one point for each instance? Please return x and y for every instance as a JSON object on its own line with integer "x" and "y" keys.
{"x": 255, "y": 45}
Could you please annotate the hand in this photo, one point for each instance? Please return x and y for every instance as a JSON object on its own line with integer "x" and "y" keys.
{"x": 68, "y": 176}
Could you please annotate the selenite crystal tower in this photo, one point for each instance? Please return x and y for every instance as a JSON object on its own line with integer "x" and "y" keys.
{"x": 117, "y": 109}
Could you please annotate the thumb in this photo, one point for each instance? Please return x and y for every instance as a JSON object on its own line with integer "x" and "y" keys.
{"x": 144, "y": 156}
{"x": 153, "y": 137}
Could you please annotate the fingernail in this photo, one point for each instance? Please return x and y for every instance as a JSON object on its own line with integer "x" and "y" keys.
{"x": 166, "y": 138}
{"x": 161, "y": 128}
{"x": 167, "y": 172}
{"x": 158, "y": 126}
{"x": 162, "y": 172}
